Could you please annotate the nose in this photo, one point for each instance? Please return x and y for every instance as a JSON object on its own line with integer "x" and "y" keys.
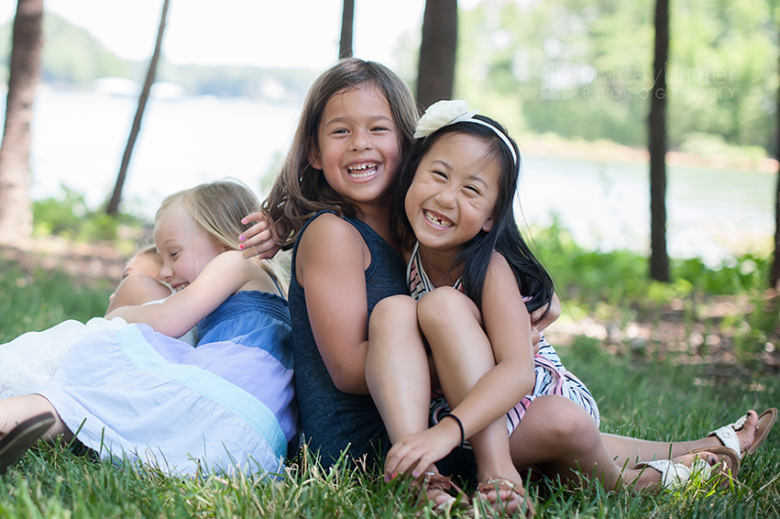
{"x": 166, "y": 272}
{"x": 446, "y": 196}
{"x": 361, "y": 139}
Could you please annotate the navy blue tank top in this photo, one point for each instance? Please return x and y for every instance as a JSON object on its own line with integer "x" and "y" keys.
{"x": 333, "y": 420}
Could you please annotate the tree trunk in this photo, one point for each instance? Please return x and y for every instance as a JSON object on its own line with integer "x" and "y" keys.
{"x": 437, "y": 52}
{"x": 347, "y": 21}
{"x": 774, "y": 273}
{"x": 659, "y": 259}
{"x": 25, "y": 73}
{"x": 113, "y": 204}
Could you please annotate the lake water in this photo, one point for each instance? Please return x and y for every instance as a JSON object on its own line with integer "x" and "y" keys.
{"x": 79, "y": 138}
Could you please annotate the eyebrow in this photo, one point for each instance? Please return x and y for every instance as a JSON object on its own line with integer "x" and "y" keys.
{"x": 372, "y": 119}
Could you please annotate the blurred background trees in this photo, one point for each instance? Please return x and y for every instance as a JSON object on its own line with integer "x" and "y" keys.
{"x": 722, "y": 69}
{"x": 582, "y": 70}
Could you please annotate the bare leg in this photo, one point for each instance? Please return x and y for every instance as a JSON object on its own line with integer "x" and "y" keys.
{"x": 463, "y": 354}
{"x": 20, "y": 408}
{"x": 398, "y": 374}
{"x": 397, "y": 371}
{"x": 561, "y": 437}
{"x": 630, "y": 450}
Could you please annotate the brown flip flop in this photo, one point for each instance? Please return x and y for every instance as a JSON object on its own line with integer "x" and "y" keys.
{"x": 765, "y": 422}
{"x": 14, "y": 444}
{"x": 727, "y": 467}
{"x": 728, "y": 433}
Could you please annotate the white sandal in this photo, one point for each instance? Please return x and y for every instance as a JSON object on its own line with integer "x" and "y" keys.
{"x": 728, "y": 433}
{"x": 676, "y": 475}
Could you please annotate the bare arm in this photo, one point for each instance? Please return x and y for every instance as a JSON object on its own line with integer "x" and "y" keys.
{"x": 330, "y": 265}
{"x": 552, "y": 316}
{"x": 508, "y": 327}
{"x": 223, "y": 276}
{"x": 137, "y": 289}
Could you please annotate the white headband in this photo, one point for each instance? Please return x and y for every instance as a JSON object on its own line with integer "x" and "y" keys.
{"x": 445, "y": 113}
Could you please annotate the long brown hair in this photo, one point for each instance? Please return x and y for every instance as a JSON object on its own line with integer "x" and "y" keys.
{"x": 299, "y": 191}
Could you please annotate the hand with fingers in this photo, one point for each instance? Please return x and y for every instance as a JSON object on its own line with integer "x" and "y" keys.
{"x": 415, "y": 453}
{"x": 259, "y": 240}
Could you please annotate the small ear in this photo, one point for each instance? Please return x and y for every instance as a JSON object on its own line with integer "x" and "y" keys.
{"x": 488, "y": 224}
{"x": 314, "y": 157}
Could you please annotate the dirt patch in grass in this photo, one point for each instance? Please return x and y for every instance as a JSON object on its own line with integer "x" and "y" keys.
{"x": 714, "y": 331}
{"x": 87, "y": 263}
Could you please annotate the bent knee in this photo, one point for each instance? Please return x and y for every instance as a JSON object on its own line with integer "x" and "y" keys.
{"x": 393, "y": 311}
{"x": 446, "y": 305}
{"x": 566, "y": 424}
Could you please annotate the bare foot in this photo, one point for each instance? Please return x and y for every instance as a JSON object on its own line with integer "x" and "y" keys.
{"x": 747, "y": 434}
{"x": 504, "y": 496}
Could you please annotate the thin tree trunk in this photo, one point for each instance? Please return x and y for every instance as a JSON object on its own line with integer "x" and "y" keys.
{"x": 774, "y": 273}
{"x": 437, "y": 52}
{"x": 347, "y": 22}
{"x": 659, "y": 259}
{"x": 25, "y": 73}
{"x": 113, "y": 204}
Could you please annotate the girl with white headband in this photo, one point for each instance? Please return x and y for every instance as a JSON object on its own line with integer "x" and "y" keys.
{"x": 477, "y": 293}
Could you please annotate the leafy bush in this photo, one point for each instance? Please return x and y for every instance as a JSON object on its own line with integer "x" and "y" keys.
{"x": 69, "y": 216}
{"x": 621, "y": 276}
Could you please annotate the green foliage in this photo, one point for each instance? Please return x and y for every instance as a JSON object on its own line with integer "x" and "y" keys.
{"x": 584, "y": 69}
{"x": 68, "y": 216}
{"x": 72, "y": 55}
{"x": 620, "y": 277}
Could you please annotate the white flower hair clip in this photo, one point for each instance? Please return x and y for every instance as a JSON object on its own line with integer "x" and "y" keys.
{"x": 445, "y": 113}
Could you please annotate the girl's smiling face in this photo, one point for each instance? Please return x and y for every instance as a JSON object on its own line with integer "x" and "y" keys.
{"x": 185, "y": 247}
{"x": 359, "y": 150}
{"x": 454, "y": 191}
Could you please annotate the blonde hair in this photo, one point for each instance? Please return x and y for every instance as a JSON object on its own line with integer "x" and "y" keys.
{"x": 299, "y": 190}
{"x": 217, "y": 208}
{"x": 149, "y": 250}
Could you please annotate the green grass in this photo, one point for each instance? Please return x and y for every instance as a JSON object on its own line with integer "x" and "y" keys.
{"x": 652, "y": 400}
{"x": 44, "y": 298}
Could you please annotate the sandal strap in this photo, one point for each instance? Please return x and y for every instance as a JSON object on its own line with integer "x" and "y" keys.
{"x": 500, "y": 484}
{"x": 728, "y": 435}
{"x": 675, "y": 475}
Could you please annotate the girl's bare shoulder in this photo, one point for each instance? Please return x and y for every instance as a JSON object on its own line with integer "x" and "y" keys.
{"x": 329, "y": 233}
{"x": 247, "y": 274}
{"x": 329, "y": 246}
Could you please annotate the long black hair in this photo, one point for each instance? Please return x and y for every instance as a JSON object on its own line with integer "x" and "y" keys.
{"x": 504, "y": 237}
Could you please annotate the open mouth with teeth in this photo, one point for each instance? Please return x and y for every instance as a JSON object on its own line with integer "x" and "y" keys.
{"x": 441, "y": 221}
{"x": 181, "y": 286}
{"x": 364, "y": 170}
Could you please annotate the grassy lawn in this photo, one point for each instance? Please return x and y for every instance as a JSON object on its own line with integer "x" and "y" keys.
{"x": 641, "y": 393}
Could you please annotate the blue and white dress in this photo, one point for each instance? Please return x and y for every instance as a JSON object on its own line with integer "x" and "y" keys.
{"x": 227, "y": 405}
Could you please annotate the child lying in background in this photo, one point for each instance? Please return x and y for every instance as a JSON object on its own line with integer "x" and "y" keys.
{"x": 30, "y": 360}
